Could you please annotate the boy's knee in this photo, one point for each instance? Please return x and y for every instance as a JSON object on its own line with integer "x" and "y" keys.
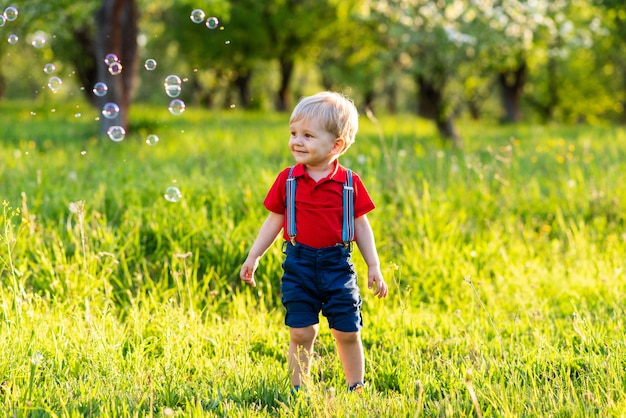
{"x": 303, "y": 336}
{"x": 346, "y": 337}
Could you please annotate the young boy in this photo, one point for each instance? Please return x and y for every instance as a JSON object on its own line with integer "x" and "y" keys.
{"x": 318, "y": 272}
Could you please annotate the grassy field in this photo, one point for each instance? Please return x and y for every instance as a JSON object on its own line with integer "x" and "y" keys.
{"x": 506, "y": 265}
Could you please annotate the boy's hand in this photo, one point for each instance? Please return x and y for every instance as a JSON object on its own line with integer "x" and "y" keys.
{"x": 247, "y": 272}
{"x": 376, "y": 276}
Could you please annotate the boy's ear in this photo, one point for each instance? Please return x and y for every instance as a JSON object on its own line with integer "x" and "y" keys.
{"x": 339, "y": 145}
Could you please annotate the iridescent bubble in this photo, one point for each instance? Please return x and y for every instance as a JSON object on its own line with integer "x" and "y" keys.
{"x": 54, "y": 84}
{"x": 172, "y": 85}
{"x": 177, "y": 107}
{"x": 197, "y": 16}
{"x": 49, "y": 68}
{"x": 116, "y": 133}
{"x": 12, "y": 39}
{"x": 39, "y": 40}
{"x": 10, "y": 13}
{"x": 212, "y": 22}
{"x": 173, "y": 194}
{"x": 173, "y": 90}
{"x": 110, "y": 110}
{"x": 150, "y": 64}
{"x": 152, "y": 139}
{"x": 2, "y": 20}
{"x": 110, "y": 59}
{"x": 100, "y": 89}
{"x": 115, "y": 68}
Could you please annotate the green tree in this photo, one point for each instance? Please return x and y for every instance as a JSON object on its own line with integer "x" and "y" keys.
{"x": 194, "y": 51}
{"x": 614, "y": 64}
{"x": 544, "y": 52}
{"x": 81, "y": 34}
{"x": 506, "y": 38}
{"x": 295, "y": 29}
{"x": 563, "y": 61}
{"x": 431, "y": 37}
{"x": 353, "y": 56}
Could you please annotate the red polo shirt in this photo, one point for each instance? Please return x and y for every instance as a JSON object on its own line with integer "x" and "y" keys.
{"x": 319, "y": 205}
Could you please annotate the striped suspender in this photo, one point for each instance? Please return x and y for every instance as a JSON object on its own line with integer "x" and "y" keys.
{"x": 347, "y": 233}
{"x": 291, "y": 207}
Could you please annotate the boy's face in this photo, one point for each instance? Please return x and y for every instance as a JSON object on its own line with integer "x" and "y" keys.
{"x": 312, "y": 145}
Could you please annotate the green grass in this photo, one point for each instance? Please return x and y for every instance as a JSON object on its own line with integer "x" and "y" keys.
{"x": 505, "y": 262}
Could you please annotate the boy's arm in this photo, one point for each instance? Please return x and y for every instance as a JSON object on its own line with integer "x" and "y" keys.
{"x": 367, "y": 246}
{"x": 266, "y": 237}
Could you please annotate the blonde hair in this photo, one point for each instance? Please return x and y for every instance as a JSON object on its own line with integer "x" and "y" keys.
{"x": 336, "y": 113}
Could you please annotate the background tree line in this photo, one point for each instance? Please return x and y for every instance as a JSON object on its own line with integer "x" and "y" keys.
{"x": 510, "y": 60}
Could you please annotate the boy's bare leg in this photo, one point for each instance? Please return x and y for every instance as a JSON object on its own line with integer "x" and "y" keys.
{"x": 300, "y": 351}
{"x": 350, "y": 351}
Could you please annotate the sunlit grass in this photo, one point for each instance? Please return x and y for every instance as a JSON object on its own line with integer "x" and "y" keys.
{"x": 505, "y": 262}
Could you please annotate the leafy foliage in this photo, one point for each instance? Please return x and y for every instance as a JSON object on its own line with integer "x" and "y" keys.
{"x": 562, "y": 60}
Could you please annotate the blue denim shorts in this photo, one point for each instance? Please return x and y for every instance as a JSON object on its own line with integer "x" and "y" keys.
{"x": 320, "y": 279}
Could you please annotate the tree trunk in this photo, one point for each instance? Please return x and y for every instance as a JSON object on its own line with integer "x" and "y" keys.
{"x": 286, "y": 70}
{"x": 242, "y": 82}
{"x": 474, "y": 106}
{"x": 86, "y": 62}
{"x": 368, "y": 99}
{"x": 391, "y": 93}
{"x": 553, "y": 88}
{"x": 511, "y": 88}
{"x": 432, "y": 105}
{"x": 116, "y": 33}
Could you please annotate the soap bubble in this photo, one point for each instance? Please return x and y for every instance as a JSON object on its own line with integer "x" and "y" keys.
{"x": 173, "y": 79}
{"x": 110, "y": 110}
{"x": 172, "y": 85}
{"x": 116, "y": 133}
{"x": 110, "y": 59}
{"x": 152, "y": 139}
{"x": 100, "y": 89}
{"x": 39, "y": 40}
{"x": 212, "y": 22}
{"x": 2, "y": 20}
{"x": 177, "y": 107}
{"x": 10, "y": 13}
{"x": 172, "y": 194}
{"x": 54, "y": 84}
{"x": 150, "y": 64}
{"x": 173, "y": 90}
{"x": 115, "y": 68}
{"x": 49, "y": 68}
{"x": 197, "y": 16}
{"x": 12, "y": 39}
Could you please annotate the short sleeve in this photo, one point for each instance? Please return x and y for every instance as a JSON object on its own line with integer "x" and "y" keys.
{"x": 275, "y": 199}
{"x": 362, "y": 201}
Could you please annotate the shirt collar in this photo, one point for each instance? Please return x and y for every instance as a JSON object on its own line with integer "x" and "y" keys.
{"x": 338, "y": 174}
